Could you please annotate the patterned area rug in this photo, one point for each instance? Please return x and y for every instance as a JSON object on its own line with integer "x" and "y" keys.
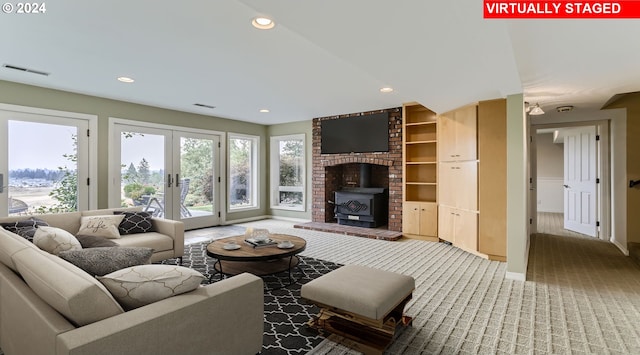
{"x": 285, "y": 313}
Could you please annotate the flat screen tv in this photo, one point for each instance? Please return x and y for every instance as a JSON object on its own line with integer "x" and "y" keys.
{"x": 360, "y": 134}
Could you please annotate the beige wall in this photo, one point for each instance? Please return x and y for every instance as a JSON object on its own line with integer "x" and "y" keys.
{"x": 632, "y": 104}
{"x": 304, "y": 127}
{"x": 25, "y": 95}
{"x": 517, "y": 216}
{"x": 550, "y": 156}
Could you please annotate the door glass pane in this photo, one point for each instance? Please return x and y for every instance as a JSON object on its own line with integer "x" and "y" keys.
{"x": 196, "y": 179}
{"x": 42, "y": 168}
{"x": 142, "y": 182}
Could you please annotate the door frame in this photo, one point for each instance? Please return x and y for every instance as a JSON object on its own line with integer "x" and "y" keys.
{"x": 114, "y": 202}
{"x": 91, "y": 173}
{"x": 603, "y": 156}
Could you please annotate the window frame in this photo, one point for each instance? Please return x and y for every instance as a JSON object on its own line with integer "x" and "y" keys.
{"x": 255, "y": 166}
{"x": 275, "y": 173}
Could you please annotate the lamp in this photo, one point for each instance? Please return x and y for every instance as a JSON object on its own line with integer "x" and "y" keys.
{"x": 536, "y": 110}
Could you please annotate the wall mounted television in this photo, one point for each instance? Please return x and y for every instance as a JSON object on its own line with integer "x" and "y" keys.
{"x": 359, "y": 134}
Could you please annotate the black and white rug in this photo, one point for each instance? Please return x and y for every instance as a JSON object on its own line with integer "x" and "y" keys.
{"x": 285, "y": 314}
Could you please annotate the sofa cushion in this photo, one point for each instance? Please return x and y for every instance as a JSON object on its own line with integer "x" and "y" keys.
{"x": 101, "y": 261}
{"x": 158, "y": 241}
{"x": 54, "y": 240}
{"x": 137, "y": 286}
{"x": 69, "y": 290}
{"x": 25, "y": 228}
{"x": 10, "y": 244}
{"x": 92, "y": 241}
{"x": 135, "y": 222}
{"x": 101, "y": 226}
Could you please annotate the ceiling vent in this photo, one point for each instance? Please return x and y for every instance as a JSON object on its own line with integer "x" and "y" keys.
{"x": 564, "y": 108}
{"x": 205, "y": 106}
{"x": 27, "y": 70}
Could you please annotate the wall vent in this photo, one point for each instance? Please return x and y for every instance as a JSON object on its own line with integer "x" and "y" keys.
{"x": 205, "y": 106}
{"x": 27, "y": 70}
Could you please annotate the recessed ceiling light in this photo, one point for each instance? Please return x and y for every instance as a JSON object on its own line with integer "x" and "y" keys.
{"x": 264, "y": 110}
{"x": 125, "y": 79}
{"x": 386, "y": 89}
{"x": 263, "y": 23}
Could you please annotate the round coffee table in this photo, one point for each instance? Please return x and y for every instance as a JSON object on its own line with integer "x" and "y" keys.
{"x": 261, "y": 261}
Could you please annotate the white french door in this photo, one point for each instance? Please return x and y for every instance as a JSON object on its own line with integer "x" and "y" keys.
{"x": 580, "y": 171}
{"x": 172, "y": 173}
{"x": 44, "y": 161}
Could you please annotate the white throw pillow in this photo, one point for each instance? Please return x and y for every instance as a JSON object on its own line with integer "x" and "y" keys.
{"x": 137, "y": 286}
{"x": 101, "y": 226}
{"x": 54, "y": 240}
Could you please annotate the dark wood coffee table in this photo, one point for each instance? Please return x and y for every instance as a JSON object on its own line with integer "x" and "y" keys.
{"x": 260, "y": 261}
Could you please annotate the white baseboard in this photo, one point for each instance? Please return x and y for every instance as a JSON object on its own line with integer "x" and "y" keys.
{"x": 291, "y": 219}
{"x": 517, "y": 276}
{"x": 244, "y": 220}
{"x": 257, "y": 218}
{"x": 622, "y": 248}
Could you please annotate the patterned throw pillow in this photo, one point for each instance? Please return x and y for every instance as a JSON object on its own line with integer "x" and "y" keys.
{"x": 102, "y": 261}
{"x": 101, "y": 226}
{"x": 55, "y": 240}
{"x": 134, "y": 222}
{"x": 91, "y": 241}
{"x": 137, "y": 286}
{"x": 25, "y": 228}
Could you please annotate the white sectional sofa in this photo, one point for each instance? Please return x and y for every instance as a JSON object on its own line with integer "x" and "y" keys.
{"x": 50, "y": 306}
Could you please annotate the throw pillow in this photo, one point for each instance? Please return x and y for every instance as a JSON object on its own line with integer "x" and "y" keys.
{"x": 54, "y": 240}
{"x": 92, "y": 241}
{"x": 25, "y": 228}
{"x": 137, "y": 286}
{"x": 102, "y": 261}
{"x": 134, "y": 222}
{"x": 101, "y": 226}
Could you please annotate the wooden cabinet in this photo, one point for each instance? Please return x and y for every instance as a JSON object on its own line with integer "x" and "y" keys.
{"x": 458, "y": 134}
{"x": 459, "y": 227}
{"x": 420, "y": 218}
{"x": 459, "y": 186}
{"x": 458, "y": 176}
{"x": 420, "y": 171}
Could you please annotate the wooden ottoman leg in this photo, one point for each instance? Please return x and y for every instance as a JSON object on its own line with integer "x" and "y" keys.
{"x": 369, "y": 336}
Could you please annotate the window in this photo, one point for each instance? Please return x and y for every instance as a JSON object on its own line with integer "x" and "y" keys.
{"x": 46, "y": 161}
{"x": 287, "y": 172}
{"x": 243, "y": 171}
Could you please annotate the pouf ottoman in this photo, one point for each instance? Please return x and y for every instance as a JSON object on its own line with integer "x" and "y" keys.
{"x": 363, "y": 304}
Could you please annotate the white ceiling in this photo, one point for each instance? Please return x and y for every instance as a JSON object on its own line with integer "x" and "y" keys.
{"x": 323, "y": 57}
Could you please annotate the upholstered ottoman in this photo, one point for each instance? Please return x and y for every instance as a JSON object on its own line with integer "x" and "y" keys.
{"x": 363, "y": 304}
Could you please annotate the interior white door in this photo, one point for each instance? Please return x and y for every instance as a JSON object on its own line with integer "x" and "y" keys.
{"x": 580, "y": 196}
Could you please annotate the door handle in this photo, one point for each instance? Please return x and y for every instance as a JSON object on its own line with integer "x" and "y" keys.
{"x": 177, "y": 180}
{"x": 567, "y": 186}
{"x": 169, "y": 182}
{"x": 1, "y": 183}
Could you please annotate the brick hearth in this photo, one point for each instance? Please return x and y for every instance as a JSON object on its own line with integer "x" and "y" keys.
{"x": 332, "y": 171}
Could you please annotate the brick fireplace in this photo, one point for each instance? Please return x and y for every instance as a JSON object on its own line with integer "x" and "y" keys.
{"x": 331, "y": 172}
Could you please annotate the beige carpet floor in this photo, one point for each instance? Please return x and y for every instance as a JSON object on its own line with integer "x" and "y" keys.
{"x": 582, "y": 297}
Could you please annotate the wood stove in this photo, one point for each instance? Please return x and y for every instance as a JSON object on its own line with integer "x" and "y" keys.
{"x": 362, "y": 206}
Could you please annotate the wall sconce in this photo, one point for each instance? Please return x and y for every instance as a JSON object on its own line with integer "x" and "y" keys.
{"x": 536, "y": 110}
